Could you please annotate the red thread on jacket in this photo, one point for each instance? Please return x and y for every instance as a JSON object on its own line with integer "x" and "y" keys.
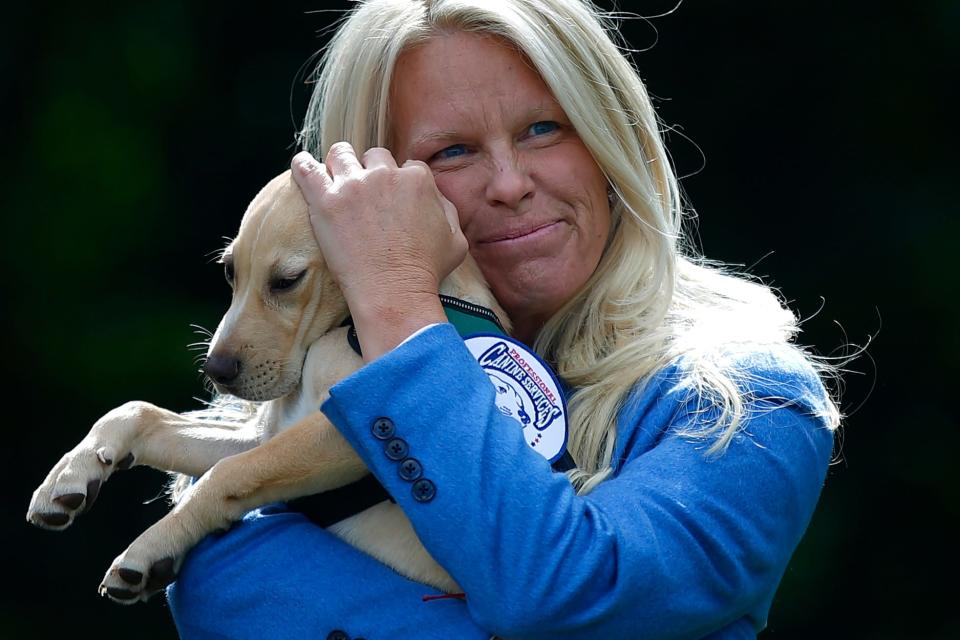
{"x": 445, "y": 596}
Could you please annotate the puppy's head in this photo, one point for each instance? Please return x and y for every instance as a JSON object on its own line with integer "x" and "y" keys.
{"x": 284, "y": 298}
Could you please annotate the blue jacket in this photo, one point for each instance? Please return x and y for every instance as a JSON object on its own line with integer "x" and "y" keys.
{"x": 675, "y": 545}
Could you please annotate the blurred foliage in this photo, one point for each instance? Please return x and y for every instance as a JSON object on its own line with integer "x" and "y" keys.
{"x": 813, "y": 138}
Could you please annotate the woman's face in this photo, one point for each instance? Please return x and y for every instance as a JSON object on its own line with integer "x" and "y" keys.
{"x": 532, "y": 201}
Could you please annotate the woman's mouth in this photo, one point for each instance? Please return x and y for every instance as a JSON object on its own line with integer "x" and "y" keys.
{"x": 520, "y": 235}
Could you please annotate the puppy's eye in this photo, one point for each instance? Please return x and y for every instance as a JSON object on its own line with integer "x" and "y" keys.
{"x": 283, "y": 284}
{"x": 228, "y": 272}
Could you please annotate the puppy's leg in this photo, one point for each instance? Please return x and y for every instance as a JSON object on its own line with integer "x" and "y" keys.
{"x": 384, "y": 532}
{"x": 134, "y": 433}
{"x": 309, "y": 457}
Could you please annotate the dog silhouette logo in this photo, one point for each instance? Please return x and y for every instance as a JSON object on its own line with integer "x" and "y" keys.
{"x": 509, "y": 400}
{"x": 526, "y": 390}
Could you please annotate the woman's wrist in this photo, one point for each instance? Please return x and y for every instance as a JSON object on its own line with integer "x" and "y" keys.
{"x": 383, "y": 322}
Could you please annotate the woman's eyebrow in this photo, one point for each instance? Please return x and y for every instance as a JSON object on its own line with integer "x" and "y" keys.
{"x": 537, "y": 112}
{"x": 433, "y": 137}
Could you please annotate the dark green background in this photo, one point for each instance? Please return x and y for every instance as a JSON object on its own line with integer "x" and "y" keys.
{"x": 815, "y": 141}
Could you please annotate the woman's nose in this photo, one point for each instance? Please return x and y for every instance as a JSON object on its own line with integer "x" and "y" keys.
{"x": 510, "y": 182}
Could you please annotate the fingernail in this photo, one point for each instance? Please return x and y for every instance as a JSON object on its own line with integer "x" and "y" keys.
{"x": 305, "y": 163}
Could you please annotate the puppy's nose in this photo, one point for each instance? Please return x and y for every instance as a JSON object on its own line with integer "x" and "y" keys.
{"x": 221, "y": 368}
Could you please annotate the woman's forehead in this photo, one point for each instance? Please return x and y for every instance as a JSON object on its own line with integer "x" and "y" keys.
{"x": 460, "y": 58}
{"x": 464, "y": 76}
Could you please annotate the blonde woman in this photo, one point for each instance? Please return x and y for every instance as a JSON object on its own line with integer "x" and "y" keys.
{"x": 701, "y": 435}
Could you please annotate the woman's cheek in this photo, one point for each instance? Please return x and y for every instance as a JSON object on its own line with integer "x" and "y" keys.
{"x": 457, "y": 188}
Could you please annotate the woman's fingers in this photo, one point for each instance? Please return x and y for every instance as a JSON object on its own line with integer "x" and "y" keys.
{"x": 310, "y": 175}
{"x": 342, "y": 160}
{"x": 314, "y": 177}
{"x": 379, "y": 157}
{"x": 449, "y": 210}
{"x": 386, "y": 232}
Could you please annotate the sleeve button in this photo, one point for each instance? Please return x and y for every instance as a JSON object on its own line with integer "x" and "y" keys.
{"x": 336, "y": 634}
{"x": 411, "y": 469}
{"x": 383, "y": 428}
{"x": 424, "y": 490}
{"x": 397, "y": 449}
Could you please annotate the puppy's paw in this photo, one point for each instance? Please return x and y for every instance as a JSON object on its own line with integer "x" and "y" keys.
{"x": 73, "y": 485}
{"x": 130, "y": 580}
{"x": 152, "y": 561}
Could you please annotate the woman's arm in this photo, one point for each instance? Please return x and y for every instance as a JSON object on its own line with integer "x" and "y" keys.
{"x": 277, "y": 575}
{"x": 676, "y": 545}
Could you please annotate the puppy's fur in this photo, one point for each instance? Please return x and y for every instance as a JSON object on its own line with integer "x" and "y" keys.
{"x": 290, "y": 348}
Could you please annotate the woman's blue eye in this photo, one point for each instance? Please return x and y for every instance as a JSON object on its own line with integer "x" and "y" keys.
{"x": 452, "y": 151}
{"x": 540, "y": 128}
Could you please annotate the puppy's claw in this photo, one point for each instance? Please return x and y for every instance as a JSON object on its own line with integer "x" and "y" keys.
{"x": 104, "y": 457}
{"x": 70, "y": 500}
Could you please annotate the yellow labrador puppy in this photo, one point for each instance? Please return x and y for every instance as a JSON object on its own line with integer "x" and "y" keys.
{"x": 280, "y": 344}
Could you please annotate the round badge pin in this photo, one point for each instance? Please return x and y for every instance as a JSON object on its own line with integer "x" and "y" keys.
{"x": 527, "y": 391}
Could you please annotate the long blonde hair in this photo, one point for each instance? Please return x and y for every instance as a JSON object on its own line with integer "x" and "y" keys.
{"x": 651, "y": 300}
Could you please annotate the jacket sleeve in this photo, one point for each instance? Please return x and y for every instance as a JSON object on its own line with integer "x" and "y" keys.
{"x": 277, "y": 575}
{"x": 677, "y": 545}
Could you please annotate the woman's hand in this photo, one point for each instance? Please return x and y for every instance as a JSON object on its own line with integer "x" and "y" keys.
{"x": 388, "y": 236}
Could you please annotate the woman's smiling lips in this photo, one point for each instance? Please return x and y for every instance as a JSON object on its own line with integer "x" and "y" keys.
{"x": 522, "y": 235}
